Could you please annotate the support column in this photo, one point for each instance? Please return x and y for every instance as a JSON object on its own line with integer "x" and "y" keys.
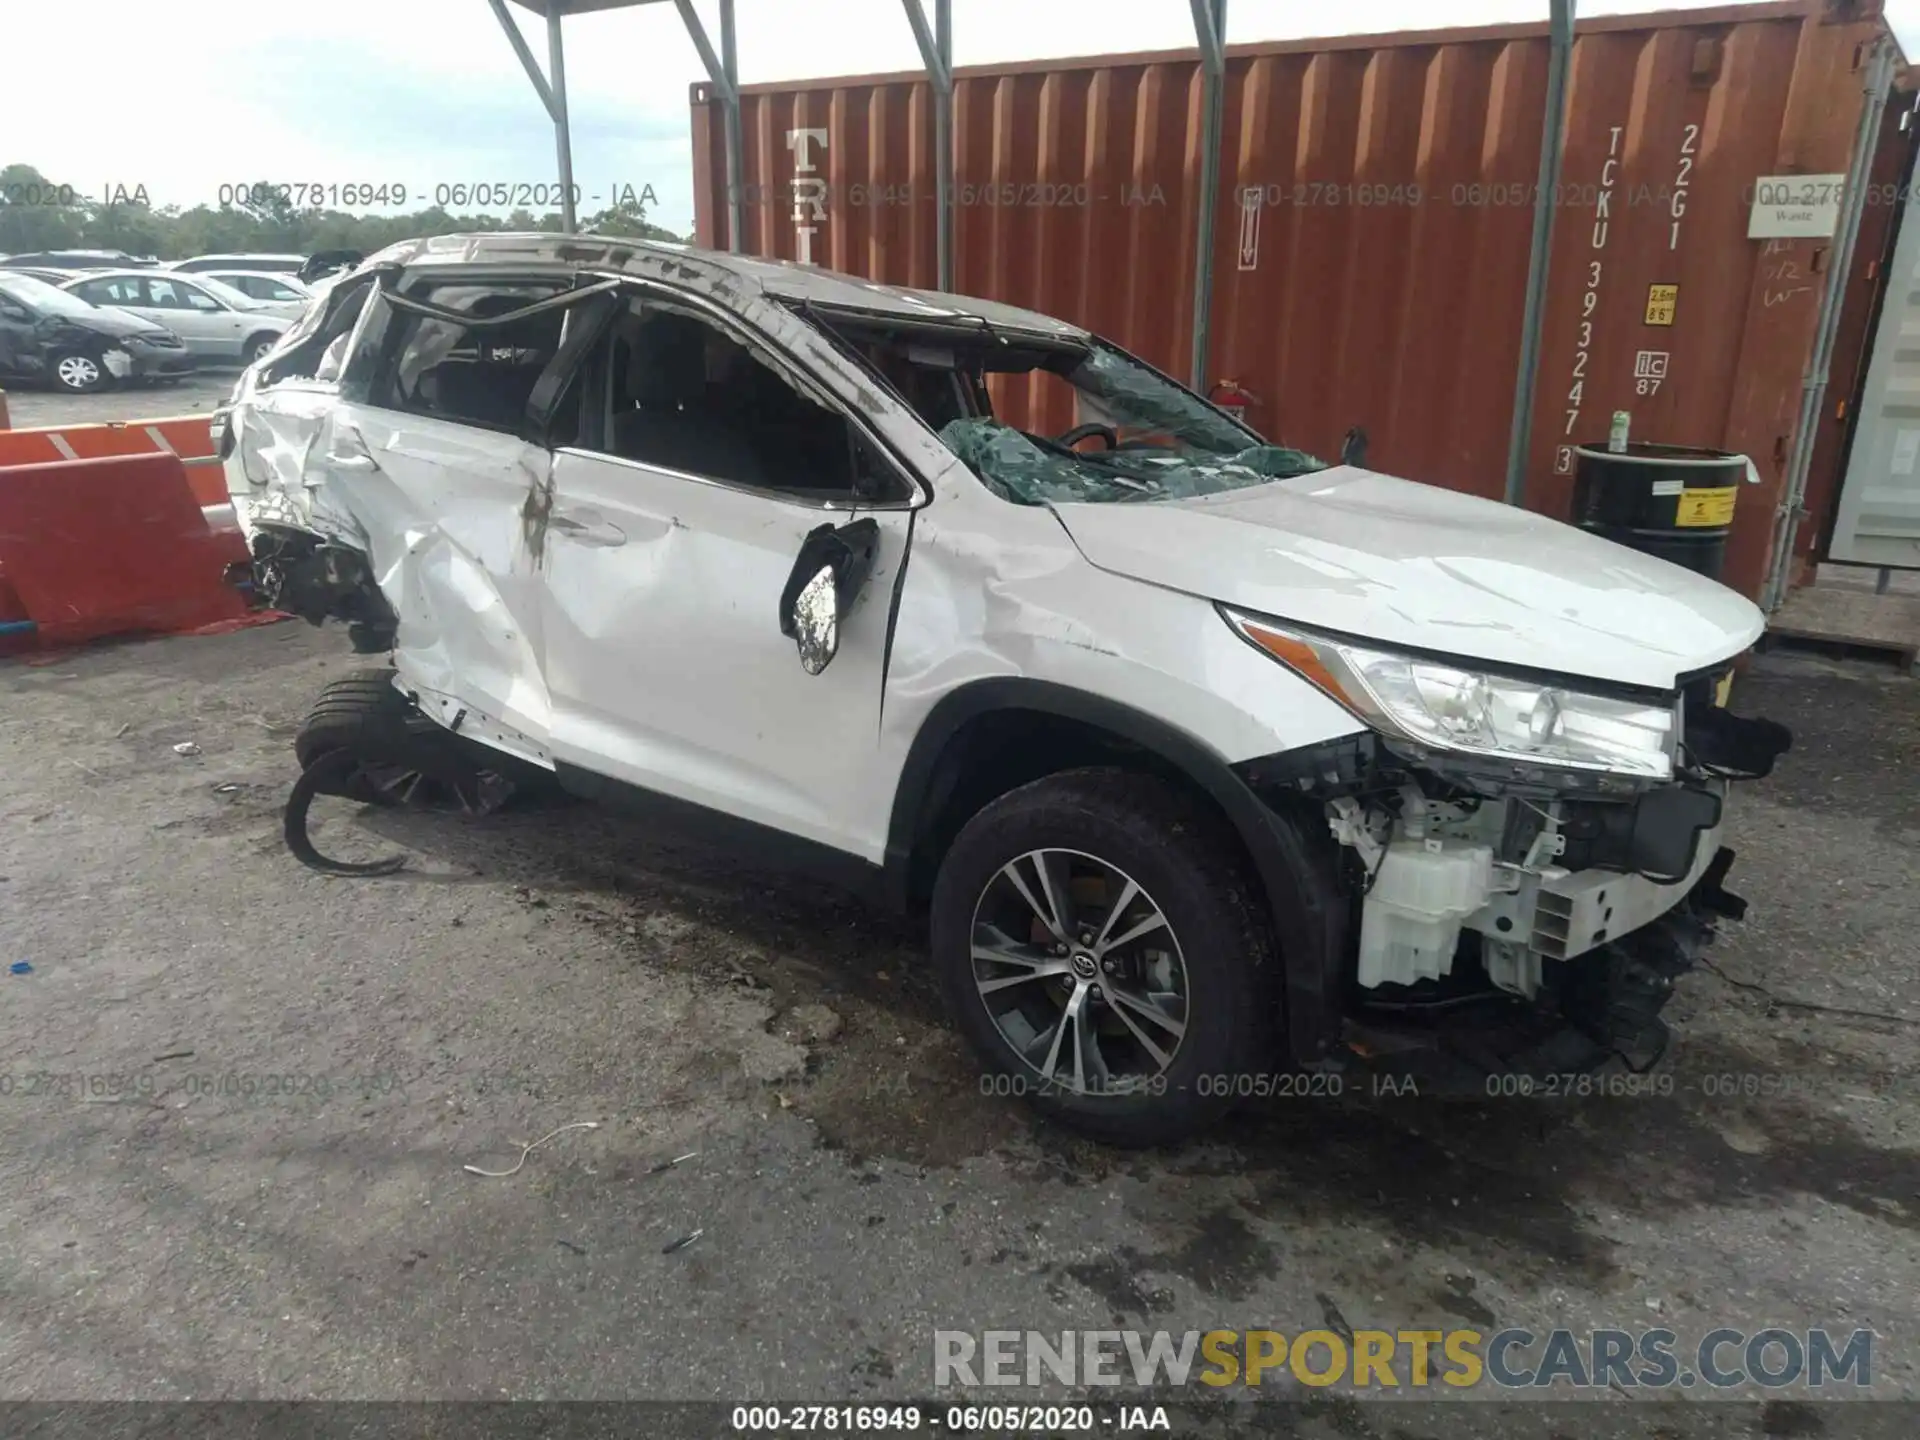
{"x": 936, "y": 54}
{"x": 1210, "y": 31}
{"x": 562, "y": 132}
{"x": 1553, "y": 129}
{"x": 723, "y": 70}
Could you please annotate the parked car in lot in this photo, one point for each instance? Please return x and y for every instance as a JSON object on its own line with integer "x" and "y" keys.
{"x": 44, "y": 272}
{"x": 219, "y": 324}
{"x": 52, "y": 336}
{"x": 267, "y": 288}
{"x": 78, "y": 260}
{"x": 282, "y": 294}
{"x": 259, "y": 264}
{"x": 1217, "y": 770}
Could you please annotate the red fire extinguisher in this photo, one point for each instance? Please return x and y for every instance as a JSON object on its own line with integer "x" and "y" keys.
{"x": 1232, "y": 397}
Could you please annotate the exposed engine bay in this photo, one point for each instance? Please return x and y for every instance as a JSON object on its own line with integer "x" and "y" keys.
{"x": 1582, "y": 896}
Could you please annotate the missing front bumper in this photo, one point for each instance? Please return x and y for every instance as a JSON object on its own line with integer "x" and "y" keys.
{"x": 1596, "y": 1030}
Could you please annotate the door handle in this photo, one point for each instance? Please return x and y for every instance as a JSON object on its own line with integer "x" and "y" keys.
{"x": 587, "y": 527}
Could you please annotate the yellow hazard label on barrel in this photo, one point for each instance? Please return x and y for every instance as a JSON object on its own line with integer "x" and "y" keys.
{"x": 1662, "y": 302}
{"x": 1707, "y": 507}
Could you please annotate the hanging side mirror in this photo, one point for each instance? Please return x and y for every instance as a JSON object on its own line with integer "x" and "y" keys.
{"x": 827, "y": 578}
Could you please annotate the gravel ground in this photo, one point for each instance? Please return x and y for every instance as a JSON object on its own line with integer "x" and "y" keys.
{"x": 854, "y": 1188}
{"x": 197, "y": 394}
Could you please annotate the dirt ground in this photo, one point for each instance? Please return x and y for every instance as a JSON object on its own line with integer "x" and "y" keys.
{"x": 238, "y": 1098}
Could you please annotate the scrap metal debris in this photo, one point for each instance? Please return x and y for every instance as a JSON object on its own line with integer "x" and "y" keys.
{"x": 681, "y": 1243}
{"x": 527, "y": 1150}
{"x": 186, "y": 747}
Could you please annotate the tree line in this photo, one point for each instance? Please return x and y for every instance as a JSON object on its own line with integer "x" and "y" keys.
{"x": 37, "y": 213}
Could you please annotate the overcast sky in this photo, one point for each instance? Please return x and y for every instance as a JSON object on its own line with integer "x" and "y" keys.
{"x": 185, "y": 96}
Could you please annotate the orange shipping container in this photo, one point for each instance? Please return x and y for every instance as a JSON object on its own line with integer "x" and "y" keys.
{"x": 1372, "y": 227}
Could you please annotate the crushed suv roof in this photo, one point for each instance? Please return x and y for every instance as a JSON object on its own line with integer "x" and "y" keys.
{"x": 780, "y": 279}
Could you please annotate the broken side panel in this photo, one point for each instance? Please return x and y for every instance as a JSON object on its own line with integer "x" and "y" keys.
{"x": 451, "y": 516}
{"x": 432, "y": 515}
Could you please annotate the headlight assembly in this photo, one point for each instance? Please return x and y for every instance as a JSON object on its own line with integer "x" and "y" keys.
{"x": 1450, "y": 707}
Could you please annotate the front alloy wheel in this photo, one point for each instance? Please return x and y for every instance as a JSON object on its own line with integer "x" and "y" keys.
{"x": 1079, "y": 972}
{"x": 1102, "y": 947}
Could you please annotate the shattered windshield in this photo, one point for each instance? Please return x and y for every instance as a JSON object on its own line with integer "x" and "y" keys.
{"x": 1137, "y": 436}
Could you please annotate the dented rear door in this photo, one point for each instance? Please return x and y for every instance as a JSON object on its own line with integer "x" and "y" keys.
{"x": 443, "y": 506}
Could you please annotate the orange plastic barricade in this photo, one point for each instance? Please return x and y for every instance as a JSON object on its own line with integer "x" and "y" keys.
{"x": 185, "y": 435}
{"x": 113, "y": 545}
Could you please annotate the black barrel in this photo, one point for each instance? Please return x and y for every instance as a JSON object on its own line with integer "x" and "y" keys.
{"x": 1673, "y": 501}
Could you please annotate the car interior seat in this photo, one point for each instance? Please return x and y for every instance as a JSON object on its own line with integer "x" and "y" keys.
{"x": 667, "y": 423}
{"x": 490, "y": 373}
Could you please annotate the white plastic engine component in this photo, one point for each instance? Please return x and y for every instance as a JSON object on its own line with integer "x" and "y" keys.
{"x": 1513, "y": 968}
{"x": 1410, "y": 923}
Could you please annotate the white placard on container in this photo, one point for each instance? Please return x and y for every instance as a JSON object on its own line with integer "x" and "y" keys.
{"x": 1795, "y": 207}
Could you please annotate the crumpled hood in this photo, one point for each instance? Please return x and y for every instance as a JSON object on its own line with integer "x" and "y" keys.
{"x": 1415, "y": 566}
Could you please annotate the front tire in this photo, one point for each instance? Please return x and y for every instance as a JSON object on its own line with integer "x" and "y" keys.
{"x": 78, "y": 373}
{"x": 1102, "y": 947}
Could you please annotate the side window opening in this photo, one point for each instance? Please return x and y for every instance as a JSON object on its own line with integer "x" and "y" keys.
{"x": 684, "y": 394}
{"x": 315, "y": 347}
{"x": 931, "y": 377}
{"x": 475, "y": 374}
{"x": 926, "y": 376}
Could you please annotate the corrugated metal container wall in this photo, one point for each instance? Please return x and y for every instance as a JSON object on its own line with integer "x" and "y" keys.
{"x": 1374, "y": 214}
{"x": 1889, "y": 181}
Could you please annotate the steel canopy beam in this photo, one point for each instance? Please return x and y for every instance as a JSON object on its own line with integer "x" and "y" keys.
{"x": 1210, "y": 30}
{"x": 562, "y": 130}
{"x": 553, "y": 95}
{"x": 936, "y": 53}
{"x": 527, "y": 62}
{"x": 1552, "y": 131}
{"x": 723, "y": 70}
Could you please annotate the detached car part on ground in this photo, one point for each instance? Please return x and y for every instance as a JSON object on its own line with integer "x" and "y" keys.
{"x": 1204, "y": 759}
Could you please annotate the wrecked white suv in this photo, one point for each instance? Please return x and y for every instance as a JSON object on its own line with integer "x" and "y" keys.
{"x": 1219, "y": 771}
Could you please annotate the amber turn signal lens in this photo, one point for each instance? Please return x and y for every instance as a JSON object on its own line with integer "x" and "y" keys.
{"x": 1296, "y": 655}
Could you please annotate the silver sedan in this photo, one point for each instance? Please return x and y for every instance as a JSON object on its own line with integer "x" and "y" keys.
{"x": 279, "y": 294}
{"x": 219, "y": 324}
